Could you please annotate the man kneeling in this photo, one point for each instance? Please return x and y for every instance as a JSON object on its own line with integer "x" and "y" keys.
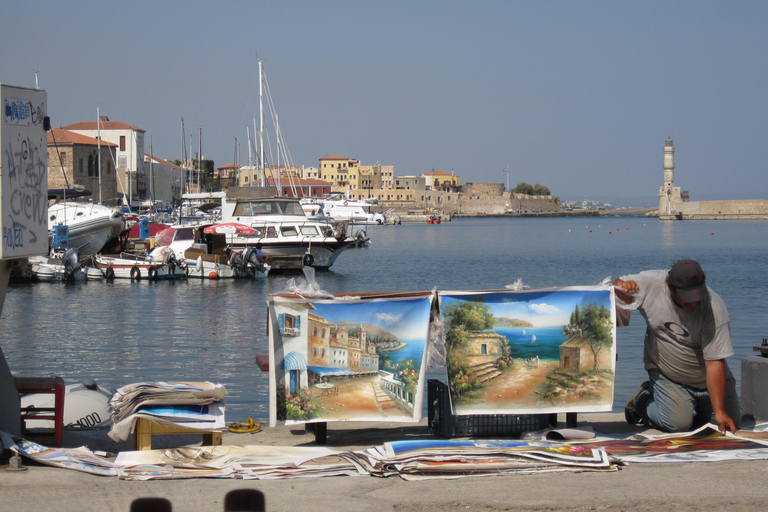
{"x": 687, "y": 341}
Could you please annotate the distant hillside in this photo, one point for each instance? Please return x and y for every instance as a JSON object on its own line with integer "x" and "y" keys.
{"x": 511, "y": 322}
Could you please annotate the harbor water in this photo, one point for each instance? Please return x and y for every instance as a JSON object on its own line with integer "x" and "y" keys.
{"x": 123, "y": 332}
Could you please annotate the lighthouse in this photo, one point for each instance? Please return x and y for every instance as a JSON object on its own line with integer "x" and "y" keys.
{"x": 669, "y": 163}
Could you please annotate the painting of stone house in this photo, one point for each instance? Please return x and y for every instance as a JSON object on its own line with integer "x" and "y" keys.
{"x": 576, "y": 356}
{"x": 484, "y": 343}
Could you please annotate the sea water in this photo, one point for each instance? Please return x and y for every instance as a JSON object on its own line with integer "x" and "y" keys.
{"x": 123, "y": 332}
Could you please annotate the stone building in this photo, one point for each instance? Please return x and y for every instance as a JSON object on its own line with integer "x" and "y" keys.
{"x": 128, "y": 156}
{"x": 73, "y": 159}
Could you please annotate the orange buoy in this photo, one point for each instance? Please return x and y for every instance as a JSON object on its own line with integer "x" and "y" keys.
{"x": 213, "y": 275}
{"x": 610, "y": 232}
{"x": 712, "y": 233}
{"x": 590, "y": 230}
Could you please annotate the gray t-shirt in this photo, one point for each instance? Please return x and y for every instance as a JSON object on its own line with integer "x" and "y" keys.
{"x": 677, "y": 342}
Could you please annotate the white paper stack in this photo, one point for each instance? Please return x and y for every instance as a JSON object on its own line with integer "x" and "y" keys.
{"x": 193, "y": 405}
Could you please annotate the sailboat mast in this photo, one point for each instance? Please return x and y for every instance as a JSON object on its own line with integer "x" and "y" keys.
{"x": 98, "y": 147}
{"x": 199, "y": 155}
{"x": 261, "y": 126}
{"x": 250, "y": 158}
{"x": 277, "y": 177}
{"x": 151, "y": 178}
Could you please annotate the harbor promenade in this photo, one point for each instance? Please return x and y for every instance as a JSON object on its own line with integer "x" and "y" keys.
{"x": 728, "y": 485}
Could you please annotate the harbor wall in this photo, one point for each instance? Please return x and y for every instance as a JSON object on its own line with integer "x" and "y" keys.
{"x": 717, "y": 210}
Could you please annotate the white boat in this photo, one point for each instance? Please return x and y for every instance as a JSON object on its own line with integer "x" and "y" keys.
{"x": 65, "y": 268}
{"x": 533, "y": 339}
{"x": 532, "y": 362}
{"x": 90, "y": 225}
{"x": 86, "y": 405}
{"x": 342, "y": 209}
{"x": 157, "y": 265}
{"x": 282, "y": 228}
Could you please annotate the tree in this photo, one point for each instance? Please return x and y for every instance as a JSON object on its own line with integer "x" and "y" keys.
{"x": 593, "y": 323}
{"x": 523, "y": 188}
{"x": 541, "y": 190}
{"x": 464, "y": 317}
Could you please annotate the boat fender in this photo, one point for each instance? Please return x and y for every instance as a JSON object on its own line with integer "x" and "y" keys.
{"x": 213, "y": 275}
{"x": 308, "y": 259}
{"x": 345, "y": 203}
{"x": 110, "y": 273}
{"x": 152, "y": 273}
{"x": 135, "y": 273}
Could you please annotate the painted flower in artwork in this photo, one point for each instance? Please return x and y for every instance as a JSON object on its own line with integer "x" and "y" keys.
{"x": 408, "y": 374}
{"x": 297, "y": 406}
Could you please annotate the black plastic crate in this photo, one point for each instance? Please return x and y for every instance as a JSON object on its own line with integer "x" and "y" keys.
{"x": 443, "y": 422}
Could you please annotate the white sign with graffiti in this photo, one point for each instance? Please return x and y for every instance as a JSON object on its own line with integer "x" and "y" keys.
{"x": 23, "y": 172}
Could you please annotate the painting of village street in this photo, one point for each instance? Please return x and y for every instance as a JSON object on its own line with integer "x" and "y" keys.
{"x": 340, "y": 360}
{"x": 530, "y": 352}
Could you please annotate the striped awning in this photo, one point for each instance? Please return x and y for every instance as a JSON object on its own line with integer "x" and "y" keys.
{"x": 325, "y": 371}
{"x": 294, "y": 361}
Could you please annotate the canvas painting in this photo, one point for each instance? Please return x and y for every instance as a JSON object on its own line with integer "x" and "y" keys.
{"x": 530, "y": 352}
{"x": 347, "y": 358}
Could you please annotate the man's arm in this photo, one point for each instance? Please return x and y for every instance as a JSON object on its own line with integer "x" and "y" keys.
{"x": 716, "y": 387}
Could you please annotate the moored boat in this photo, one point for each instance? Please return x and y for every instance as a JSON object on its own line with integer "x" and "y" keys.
{"x": 282, "y": 228}
{"x": 90, "y": 225}
{"x": 161, "y": 264}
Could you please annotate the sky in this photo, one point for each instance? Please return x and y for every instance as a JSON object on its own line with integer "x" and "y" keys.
{"x": 541, "y": 309}
{"x": 576, "y": 96}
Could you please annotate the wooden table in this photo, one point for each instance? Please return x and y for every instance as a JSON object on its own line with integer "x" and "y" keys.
{"x": 146, "y": 428}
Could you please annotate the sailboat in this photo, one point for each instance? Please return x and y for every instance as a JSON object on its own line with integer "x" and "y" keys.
{"x": 533, "y": 339}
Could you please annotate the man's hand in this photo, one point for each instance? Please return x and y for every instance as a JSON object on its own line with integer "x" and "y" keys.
{"x": 628, "y": 286}
{"x": 724, "y": 422}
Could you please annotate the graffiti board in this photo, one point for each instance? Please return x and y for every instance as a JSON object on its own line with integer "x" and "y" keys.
{"x": 530, "y": 352}
{"x": 23, "y": 172}
{"x": 347, "y": 358}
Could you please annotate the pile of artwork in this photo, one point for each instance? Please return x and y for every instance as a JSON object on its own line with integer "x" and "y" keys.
{"x": 410, "y": 460}
{"x": 193, "y": 405}
{"x": 339, "y": 358}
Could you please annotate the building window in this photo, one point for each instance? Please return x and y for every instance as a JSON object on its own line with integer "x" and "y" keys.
{"x": 63, "y": 158}
{"x": 122, "y": 143}
{"x": 90, "y": 165}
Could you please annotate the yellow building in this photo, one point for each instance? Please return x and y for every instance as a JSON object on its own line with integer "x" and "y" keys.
{"x": 342, "y": 172}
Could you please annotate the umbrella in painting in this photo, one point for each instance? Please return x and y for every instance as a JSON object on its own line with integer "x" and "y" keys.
{"x": 230, "y": 228}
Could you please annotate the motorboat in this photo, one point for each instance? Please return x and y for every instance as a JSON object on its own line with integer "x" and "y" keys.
{"x": 342, "y": 209}
{"x": 65, "y": 268}
{"x": 282, "y": 228}
{"x": 90, "y": 225}
{"x": 161, "y": 263}
{"x": 231, "y": 264}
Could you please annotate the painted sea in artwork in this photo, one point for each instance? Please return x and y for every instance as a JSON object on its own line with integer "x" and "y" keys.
{"x": 530, "y": 352}
{"x": 338, "y": 360}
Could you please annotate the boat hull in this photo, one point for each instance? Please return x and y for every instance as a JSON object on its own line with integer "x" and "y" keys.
{"x": 124, "y": 268}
